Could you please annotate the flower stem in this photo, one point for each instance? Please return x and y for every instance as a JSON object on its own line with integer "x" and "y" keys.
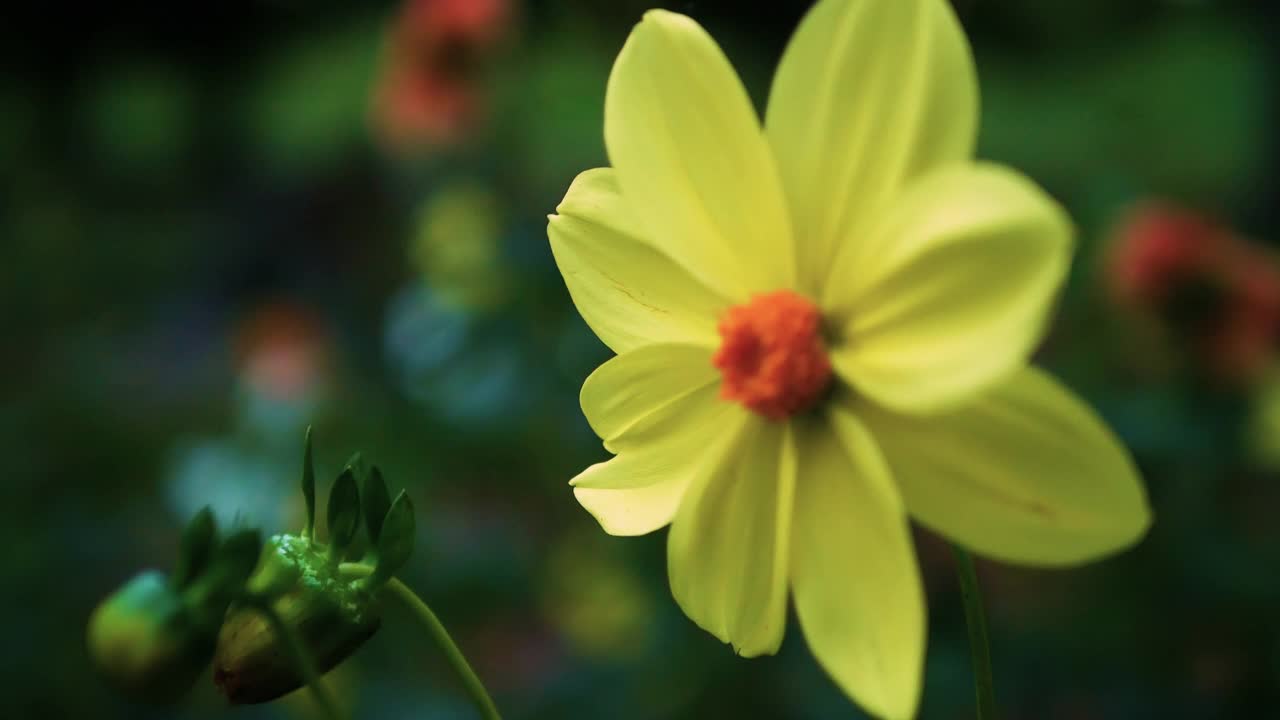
{"x": 429, "y": 622}
{"x": 979, "y": 641}
{"x": 299, "y": 657}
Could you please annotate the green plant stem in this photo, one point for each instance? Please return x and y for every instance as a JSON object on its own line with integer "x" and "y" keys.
{"x": 299, "y": 657}
{"x": 979, "y": 640}
{"x": 429, "y": 622}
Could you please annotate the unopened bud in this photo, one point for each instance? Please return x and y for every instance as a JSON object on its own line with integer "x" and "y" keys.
{"x": 330, "y": 616}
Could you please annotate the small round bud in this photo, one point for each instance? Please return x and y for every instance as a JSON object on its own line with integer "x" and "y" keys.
{"x": 145, "y": 641}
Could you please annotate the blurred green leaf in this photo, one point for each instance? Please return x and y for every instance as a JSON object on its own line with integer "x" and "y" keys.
{"x": 229, "y": 570}
{"x": 376, "y": 502}
{"x": 195, "y": 548}
{"x": 356, "y": 463}
{"x": 1174, "y": 110}
{"x": 238, "y": 556}
{"x": 309, "y": 103}
{"x": 141, "y": 118}
{"x": 553, "y": 106}
{"x": 18, "y": 123}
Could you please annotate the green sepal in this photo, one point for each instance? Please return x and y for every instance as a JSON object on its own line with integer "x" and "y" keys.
{"x": 239, "y": 554}
{"x": 224, "y": 580}
{"x": 309, "y": 486}
{"x": 376, "y": 502}
{"x": 195, "y": 548}
{"x": 395, "y": 544}
{"x": 343, "y": 514}
{"x": 358, "y": 466}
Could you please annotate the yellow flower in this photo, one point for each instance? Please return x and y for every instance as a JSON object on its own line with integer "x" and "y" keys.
{"x": 822, "y": 329}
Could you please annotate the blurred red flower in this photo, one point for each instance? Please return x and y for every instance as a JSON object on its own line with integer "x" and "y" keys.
{"x": 1245, "y": 343}
{"x": 431, "y": 91}
{"x": 1209, "y": 288}
{"x": 1157, "y": 247}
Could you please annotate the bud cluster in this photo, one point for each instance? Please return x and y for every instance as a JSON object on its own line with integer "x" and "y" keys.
{"x": 228, "y": 599}
{"x": 155, "y": 635}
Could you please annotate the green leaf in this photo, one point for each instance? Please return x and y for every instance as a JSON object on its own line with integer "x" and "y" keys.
{"x": 229, "y": 570}
{"x": 239, "y": 555}
{"x": 195, "y": 548}
{"x": 343, "y": 514}
{"x": 309, "y": 487}
{"x": 358, "y": 466}
{"x": 396, "y": 542}
{"x": 376, "y": 502}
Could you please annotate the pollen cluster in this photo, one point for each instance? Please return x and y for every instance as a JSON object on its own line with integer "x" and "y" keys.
{"x": 772, "y": 356}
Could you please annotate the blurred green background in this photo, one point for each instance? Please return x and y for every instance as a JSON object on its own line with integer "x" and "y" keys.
{"x": 223, "y": 222}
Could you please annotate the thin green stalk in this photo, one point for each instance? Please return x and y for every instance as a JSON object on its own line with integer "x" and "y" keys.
{"x": 429, "y": 622}
{"x": 299, "y": 657}
{"x": 975, "y": 617}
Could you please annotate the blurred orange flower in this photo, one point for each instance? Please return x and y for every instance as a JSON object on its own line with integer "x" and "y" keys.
{"x": 282, "y": 351}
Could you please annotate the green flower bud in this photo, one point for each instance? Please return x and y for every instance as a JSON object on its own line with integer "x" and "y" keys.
{"x": 155, "y": 635}
{"x": 332, "y": 617}
{"x": 147, "y": 642}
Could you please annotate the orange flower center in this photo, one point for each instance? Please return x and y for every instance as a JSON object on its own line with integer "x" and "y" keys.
{"x": 771, "y": 354}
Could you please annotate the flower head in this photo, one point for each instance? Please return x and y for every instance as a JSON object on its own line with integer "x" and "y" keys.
{"x": 438, "y": 51}
{"x": 823, "y": 326}
{"x": 1158, "y": 248}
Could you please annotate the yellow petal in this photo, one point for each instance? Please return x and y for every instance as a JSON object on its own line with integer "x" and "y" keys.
{"x": 867, "y": 96}
{"x": 640, "y": 490}
{"x": 857, "y": 587}
{"x": 692, "y": 160}
{"x": 1026, "y": 474}
{"x": 956, "y": 290}
{"x": 729, "y": 544}
{"x": 628, "y": 292}
{"x": 633, "y": 385}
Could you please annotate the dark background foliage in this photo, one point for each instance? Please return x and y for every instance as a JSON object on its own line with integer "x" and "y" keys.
{"x": 206, "y": 243}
